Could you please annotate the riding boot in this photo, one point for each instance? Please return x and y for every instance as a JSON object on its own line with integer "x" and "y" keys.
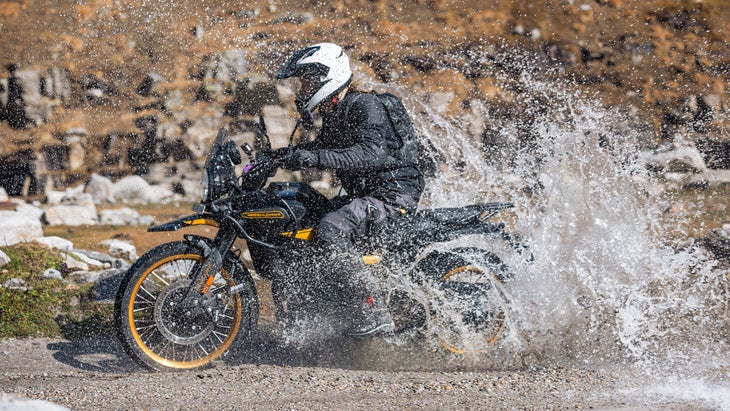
{"x": 367, "y": 304}
{"x": 372, "y": 319}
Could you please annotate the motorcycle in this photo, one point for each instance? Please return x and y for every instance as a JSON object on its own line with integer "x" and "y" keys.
{"x": 187, "y": 303}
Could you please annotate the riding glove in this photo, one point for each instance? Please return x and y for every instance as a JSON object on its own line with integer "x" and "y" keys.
{"x": 301, "y": 159}
{"x": 275, "y": 153}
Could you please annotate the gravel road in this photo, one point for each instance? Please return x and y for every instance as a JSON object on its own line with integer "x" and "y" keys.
{"x": 96, "y": 374}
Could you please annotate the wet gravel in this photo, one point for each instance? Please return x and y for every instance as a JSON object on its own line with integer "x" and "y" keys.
{"x": 95, "y": 374}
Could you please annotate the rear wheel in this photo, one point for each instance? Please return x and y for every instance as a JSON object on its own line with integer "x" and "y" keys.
{"x": 467, "y": 308}
{"x": 164, "y": 323}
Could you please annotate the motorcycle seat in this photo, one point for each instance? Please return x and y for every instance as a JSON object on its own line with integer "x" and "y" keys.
{"x": 463, "y": 214}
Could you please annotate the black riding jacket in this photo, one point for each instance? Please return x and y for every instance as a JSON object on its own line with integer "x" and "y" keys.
{"x": 358, "y": 142}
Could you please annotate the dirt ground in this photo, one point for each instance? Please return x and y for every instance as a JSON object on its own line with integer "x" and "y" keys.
{"x": 96, "y": 374}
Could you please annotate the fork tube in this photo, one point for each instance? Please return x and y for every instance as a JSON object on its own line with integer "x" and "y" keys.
{"x": 213, "y": 255}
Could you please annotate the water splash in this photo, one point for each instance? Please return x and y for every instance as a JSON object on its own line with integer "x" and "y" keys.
{"x": 607, "y": 284}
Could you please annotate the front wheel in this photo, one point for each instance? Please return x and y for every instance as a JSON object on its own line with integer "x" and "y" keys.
{"x": 164, "y": 322}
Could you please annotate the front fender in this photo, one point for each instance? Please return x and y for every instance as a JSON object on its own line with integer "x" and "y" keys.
{"x": 187, "y": 221}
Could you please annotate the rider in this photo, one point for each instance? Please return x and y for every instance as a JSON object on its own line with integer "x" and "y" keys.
{"x": 357, "y": 141}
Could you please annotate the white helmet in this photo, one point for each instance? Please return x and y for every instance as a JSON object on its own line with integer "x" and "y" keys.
{"x": 324, "y": 70}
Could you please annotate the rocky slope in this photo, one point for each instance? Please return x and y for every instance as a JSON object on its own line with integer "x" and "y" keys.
{"x": 126, "y": 87}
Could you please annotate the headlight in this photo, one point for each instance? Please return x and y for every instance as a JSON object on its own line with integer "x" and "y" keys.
{"x": 205, "y": 187}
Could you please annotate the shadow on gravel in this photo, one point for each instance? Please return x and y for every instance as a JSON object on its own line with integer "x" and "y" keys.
{"x": 91, "y": 346}
{"x": 95, "y": 354}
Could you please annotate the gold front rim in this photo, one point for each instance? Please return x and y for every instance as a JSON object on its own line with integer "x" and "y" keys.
{"x": 501, "y": 324}
{"x": 193, "y": 362}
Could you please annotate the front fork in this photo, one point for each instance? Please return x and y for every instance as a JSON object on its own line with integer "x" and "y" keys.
{"x": 204, "y": 273}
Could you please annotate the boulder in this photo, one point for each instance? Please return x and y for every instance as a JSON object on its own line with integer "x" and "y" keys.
{"x": 55, "y": 84}
{"x": 113, "y": 262}
{"x": 4, "y": 259}
{"x": 15, "y": 284}
{"x": 71, "y": 264}
{"x": 56, "y": 243}
{"x": 18, "y": 228}
{"x": 83, "y": 276}
{"x": 73, "y": 196}
{"x": 674, "y": 163}
{"x": 29, "y": 210}
{"x": 124, "y": 216}
{"x": 52, "y": 274}
{"x": 71, "y": 215}
{"x": 121, "y": 249}
{"x": 199, "y": 137}
{"x": 90, "y": 262}
{"x": 227, "y": 66}
{"x": 100, "y": 188}
{"x": 134, "y": 189}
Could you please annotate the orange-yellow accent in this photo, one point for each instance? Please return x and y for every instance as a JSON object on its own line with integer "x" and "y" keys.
{"x": 208, "y": 283}
{"x": 266, "y": 214}
{"x": 306, "y": 234}
{"x": 371, "y": 259}
{"x": 202, "y": 221}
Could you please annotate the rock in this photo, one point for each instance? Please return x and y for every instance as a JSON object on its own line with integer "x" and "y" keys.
{"x": 124, "y": 216}
{"x": 4, "y": 259}
{"x": 100, "y": 188}
{"x": 15, "y": 284}
{"x": 98, "y": 91}
{"x": 681, "y": 159}
{"x": 52, "y": 274}
{"x": 134, "y": 189}
{"x": 76, "y": 141}
{"x": 71, "y": 264}
{"x": 71, "y": 215}
{"x": 90, "y": 262}
{"x": 715, "y": 153}
{"x": 29, "y": 210}
{"x": 710, "y": 178}
{"x": 56, "y": 243}
{"x": 718, "y": 242}
{"x": 29, "y": 83}
{"x": 230, "y": 65}
{"x": 83, "y": 276}
{"x": 8, "y": 403}
{"x": 56, "y": 84}
{"x": 121, "y": 249}
{"x": 18, "y": 228}
{"x": 72, "y": 195}
{"x": 104, "y": 258}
